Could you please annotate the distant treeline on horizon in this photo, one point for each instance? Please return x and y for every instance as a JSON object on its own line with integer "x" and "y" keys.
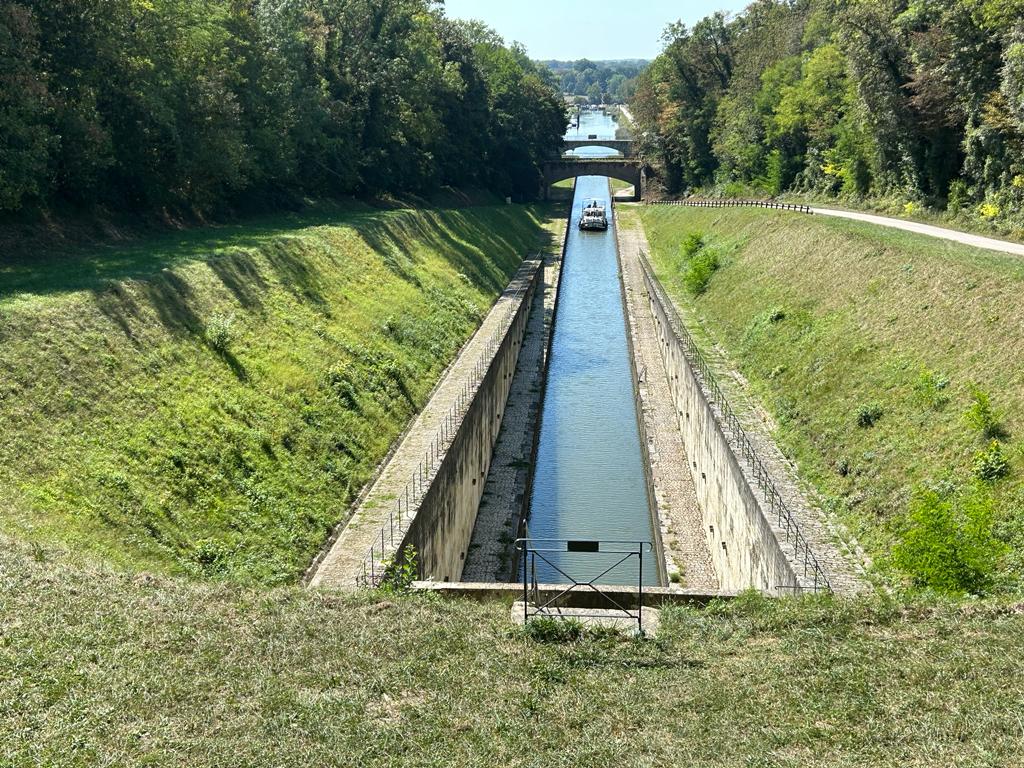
{"x": 597, "y": 82}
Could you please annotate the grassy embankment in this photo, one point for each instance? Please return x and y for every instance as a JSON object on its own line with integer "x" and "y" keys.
{"x": 102, "y": 668}
{"x": 864, "y": 344}
{"x": 209, "y": 401}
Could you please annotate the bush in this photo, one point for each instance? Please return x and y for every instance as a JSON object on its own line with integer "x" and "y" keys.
{"x": 698, "y": 273}
{"x": 982, "y": 416}
{"x": 949, "y": 544}
{"x": 220, "y": 332}
{"x": 959, "y": 197}
{"x": 868, "y": 414}
{"x": 401, "y": 571}
{"x": 991, "y": 464}
{"x": 692, "y": 244}
{"x": 930, "y": 389}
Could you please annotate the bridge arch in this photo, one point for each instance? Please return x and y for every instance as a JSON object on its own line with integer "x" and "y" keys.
{"x": 630, "y": 172}
{"x": 622, "y": 146}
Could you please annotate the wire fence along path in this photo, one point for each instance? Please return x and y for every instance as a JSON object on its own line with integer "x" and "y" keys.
{"x": 698, "y": 203}
{"x": 737, "y": 435}
{"x": 382, "y": 552}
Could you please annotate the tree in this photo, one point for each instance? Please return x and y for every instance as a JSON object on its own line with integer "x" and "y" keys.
{"x": 25, "y": 137}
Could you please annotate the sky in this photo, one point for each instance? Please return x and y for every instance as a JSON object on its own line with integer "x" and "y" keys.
{"x": 592, "y": 29}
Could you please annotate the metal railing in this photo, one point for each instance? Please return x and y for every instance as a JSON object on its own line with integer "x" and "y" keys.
{"x": 383, "y": 550}
{"x": 700, "y": 203}
{"x": 545, "y": 550}
{"x": 777, "y": 506}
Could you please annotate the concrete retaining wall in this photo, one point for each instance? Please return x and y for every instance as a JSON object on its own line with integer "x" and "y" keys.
{"x": 443, "y": 524}
{"x": 746, "y": 549}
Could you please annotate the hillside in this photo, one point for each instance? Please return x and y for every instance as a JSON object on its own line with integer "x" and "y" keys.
{"x": 876, "y": 353}
{"x": 173, "y": 672}
{"x": 209, "y": 401}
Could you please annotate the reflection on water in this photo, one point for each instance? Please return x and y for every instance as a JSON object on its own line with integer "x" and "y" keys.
{"x": 589, "y": 481}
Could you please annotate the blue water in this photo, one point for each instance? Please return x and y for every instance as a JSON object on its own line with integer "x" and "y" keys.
{"x": 589, "y": 479}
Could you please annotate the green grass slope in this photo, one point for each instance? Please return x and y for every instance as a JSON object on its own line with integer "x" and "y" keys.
{"x": 102, "y": 668}
{"x": 864, "y": 344}
{"x": 210, "y": 401}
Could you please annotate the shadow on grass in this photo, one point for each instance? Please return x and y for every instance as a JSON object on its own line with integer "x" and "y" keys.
{"x": 486, "y": 248}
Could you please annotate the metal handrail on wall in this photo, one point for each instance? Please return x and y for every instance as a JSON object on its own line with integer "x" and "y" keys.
{"x": 699, "y": 203}
{"x": 776, "y": 504}
{"x": 380, "y": 555}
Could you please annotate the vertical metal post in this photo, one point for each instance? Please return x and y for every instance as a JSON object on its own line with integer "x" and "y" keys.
{"x": 640, "y": 590}
{"x": 525, "y": 593}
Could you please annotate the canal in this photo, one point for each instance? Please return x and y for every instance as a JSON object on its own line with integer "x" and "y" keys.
{"x": 589, "y": 481}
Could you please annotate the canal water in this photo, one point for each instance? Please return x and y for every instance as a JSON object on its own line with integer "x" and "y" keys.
{"x": 589, "y": 481}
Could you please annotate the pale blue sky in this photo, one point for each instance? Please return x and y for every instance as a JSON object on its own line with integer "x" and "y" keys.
{"x": 593, "y": 29}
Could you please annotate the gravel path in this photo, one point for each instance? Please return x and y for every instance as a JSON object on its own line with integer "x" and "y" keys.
{"x": 988, "y": 243}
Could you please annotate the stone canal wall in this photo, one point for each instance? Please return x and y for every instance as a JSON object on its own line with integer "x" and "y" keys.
{"x": 427, "y": 491}
{"x": 747, "y": 548}
{"x": 443, "y": 524}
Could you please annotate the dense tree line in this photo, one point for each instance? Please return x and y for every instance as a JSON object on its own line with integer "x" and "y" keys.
{"x": 920, "y": 100}
{"x": 597, "y": 82}
{"x": 144, "y": 104}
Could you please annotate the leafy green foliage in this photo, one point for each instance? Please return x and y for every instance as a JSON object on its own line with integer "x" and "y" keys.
{"x": 700, "y": 270}
{"x": 698, "y": 262}
{"x": 220, "y": 332}
{"x": 982, "y": 415}
{"x": 196, "y": 104}
{"x": 918, "y": 102}
{"x": 597, "y": 82}
{"x": 991, "y": 463}
{"x": 692, "y": 243}
{"x": 401, "y": 572}
{"x": 868, "y": 414}
{"x": 931, "y": 389}
{"x": 949, "y": 544}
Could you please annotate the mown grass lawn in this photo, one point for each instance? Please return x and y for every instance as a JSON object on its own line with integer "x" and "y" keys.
{"x": 108, "y": 668}
{"x": 210, "y": 401}
{"x": 864, "y": 343}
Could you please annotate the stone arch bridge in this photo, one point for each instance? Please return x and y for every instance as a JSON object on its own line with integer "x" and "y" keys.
{"x": 627, "y": 170}
{"x": 622, "y": 146}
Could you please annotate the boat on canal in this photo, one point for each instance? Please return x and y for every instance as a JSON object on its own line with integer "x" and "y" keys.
{"x": 594, "y": 215}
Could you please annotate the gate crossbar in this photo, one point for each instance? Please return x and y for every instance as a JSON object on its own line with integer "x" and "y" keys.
{"x": 532, "y": 553}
